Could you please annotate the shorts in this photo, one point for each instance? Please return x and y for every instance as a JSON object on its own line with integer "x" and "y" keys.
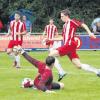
{"x": 13, "y": 43}
{"x": 69, "y": 50}
{"x": 55, "y": 86}
{"x": 49, "y": 42}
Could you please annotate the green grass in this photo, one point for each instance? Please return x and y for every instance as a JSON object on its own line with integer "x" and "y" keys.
{"x": 79, "y": 85}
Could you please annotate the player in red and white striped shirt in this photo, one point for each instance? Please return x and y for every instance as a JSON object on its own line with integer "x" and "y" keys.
{"x": 69, "y": 47}
{"x": 52, "y": 32}
{"x": 17, "y": 30}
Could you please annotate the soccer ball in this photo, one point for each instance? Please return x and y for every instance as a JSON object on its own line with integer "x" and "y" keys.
{"x": 27, "y": 82}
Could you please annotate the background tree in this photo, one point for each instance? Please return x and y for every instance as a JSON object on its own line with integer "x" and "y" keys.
{"x": 85, "y": 10}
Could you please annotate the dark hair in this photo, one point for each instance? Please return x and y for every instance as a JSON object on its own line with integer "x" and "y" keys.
{"x": 66, "y": 12}
{"x": 19, "y": 13}
{"x": 50, "y": 60}
{"x": 51, "y": 18}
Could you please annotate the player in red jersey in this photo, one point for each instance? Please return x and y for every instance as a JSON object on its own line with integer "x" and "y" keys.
{"x": 69, "y": 47}
{"x": 51, "y": 32}
{"x": 44, "y": 79}
{"x": 17, "y": 29}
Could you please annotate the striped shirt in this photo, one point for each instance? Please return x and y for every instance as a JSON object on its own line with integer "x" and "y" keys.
{"x": 50, "y": 30}
{"x": 69, "y": 29}
{"x": 17, "y": 27}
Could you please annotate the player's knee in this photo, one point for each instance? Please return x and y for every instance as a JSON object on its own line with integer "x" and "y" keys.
{"x": 54, "y": 53}
{"x": 61, "y": 85}
{"x": 78, "y": 66}
{"x": 77, "y": 63}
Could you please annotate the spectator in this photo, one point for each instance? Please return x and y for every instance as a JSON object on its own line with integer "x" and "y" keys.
{"x": 96, "y": 26}
{"x": 28, "y": 24}
{"x": 1, "y": 25}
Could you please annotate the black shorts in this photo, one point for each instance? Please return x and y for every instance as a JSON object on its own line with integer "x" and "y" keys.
{"x": 55, "y": 86}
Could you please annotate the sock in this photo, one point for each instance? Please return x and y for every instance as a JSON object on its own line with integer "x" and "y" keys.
{"x": 17, "y": 59}
{"x": 89, "y": 68}
{"x": 21, "y": 50}
{"x": 58, "y": 67}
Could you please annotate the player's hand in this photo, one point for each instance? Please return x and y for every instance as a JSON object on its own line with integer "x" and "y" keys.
{"x": 92, "y": 36}
{"x": 48, "y": 91}
{"x": 44, "y": 41}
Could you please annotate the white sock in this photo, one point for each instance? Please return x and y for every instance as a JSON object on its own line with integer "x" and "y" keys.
{"x": 89, "y": 68}
{"x": 22, "y": 51}
{"x": 58, "y": 67}
{"x": 17, "y": 59}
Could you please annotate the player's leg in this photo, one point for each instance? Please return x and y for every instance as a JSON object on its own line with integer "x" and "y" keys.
{"x": 59, "y": 68}
{"x": 33, "y": 61}
{"x": 17, "y": 60}
{"x": 57, "y": 86}
{"x": 85, "y": 67}
{"x": 76, "y": 61}
{"x": 10, "y": 52}
{"x": 55, "y": 53}
{"x": 17, "y": 56}
{"x": 57, "y": 63}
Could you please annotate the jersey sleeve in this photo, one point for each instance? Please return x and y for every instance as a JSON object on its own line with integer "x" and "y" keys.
{"x": 56, "y": 30}
{"x": 11, "y": 25}
{"x": 77, "y": 22}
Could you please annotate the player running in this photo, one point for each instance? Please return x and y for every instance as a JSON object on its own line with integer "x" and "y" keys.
{"x": 44, "y": 79}
{"x": 69, "y": 47}
{"x": 17, "y": 30}
{"x": 51, "y": 31}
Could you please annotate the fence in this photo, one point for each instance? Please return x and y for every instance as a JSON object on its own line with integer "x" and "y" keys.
{"x": 34, "y": 43}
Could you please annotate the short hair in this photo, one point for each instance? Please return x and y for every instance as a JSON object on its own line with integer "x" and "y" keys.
{"x": 66, "y": 12}
{"x": 51, "y": 18}
{"x": 50, "y": 60}
{"x": 19, "y": 13}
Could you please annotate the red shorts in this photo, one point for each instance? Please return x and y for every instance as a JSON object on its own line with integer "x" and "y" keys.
{"x": 13, "y": 43}
{"x": 69, "y": 50}
{"x": 49, "y": 42}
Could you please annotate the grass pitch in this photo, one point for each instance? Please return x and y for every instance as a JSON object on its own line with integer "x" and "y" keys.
{"x": 79, "y": 85}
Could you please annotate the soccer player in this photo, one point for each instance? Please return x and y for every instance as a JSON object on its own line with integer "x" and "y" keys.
{"x": 44, "y": 79}
{"x": 28, "y": 25}
{"x": 17, "y": 30}
{"x": 69, "y": 47}
{"x": 51, "y": 32}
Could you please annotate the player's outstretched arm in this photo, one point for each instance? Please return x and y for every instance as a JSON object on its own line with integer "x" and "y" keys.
{"x": 88, "y": 31}
{"x": 30, "y": 59}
